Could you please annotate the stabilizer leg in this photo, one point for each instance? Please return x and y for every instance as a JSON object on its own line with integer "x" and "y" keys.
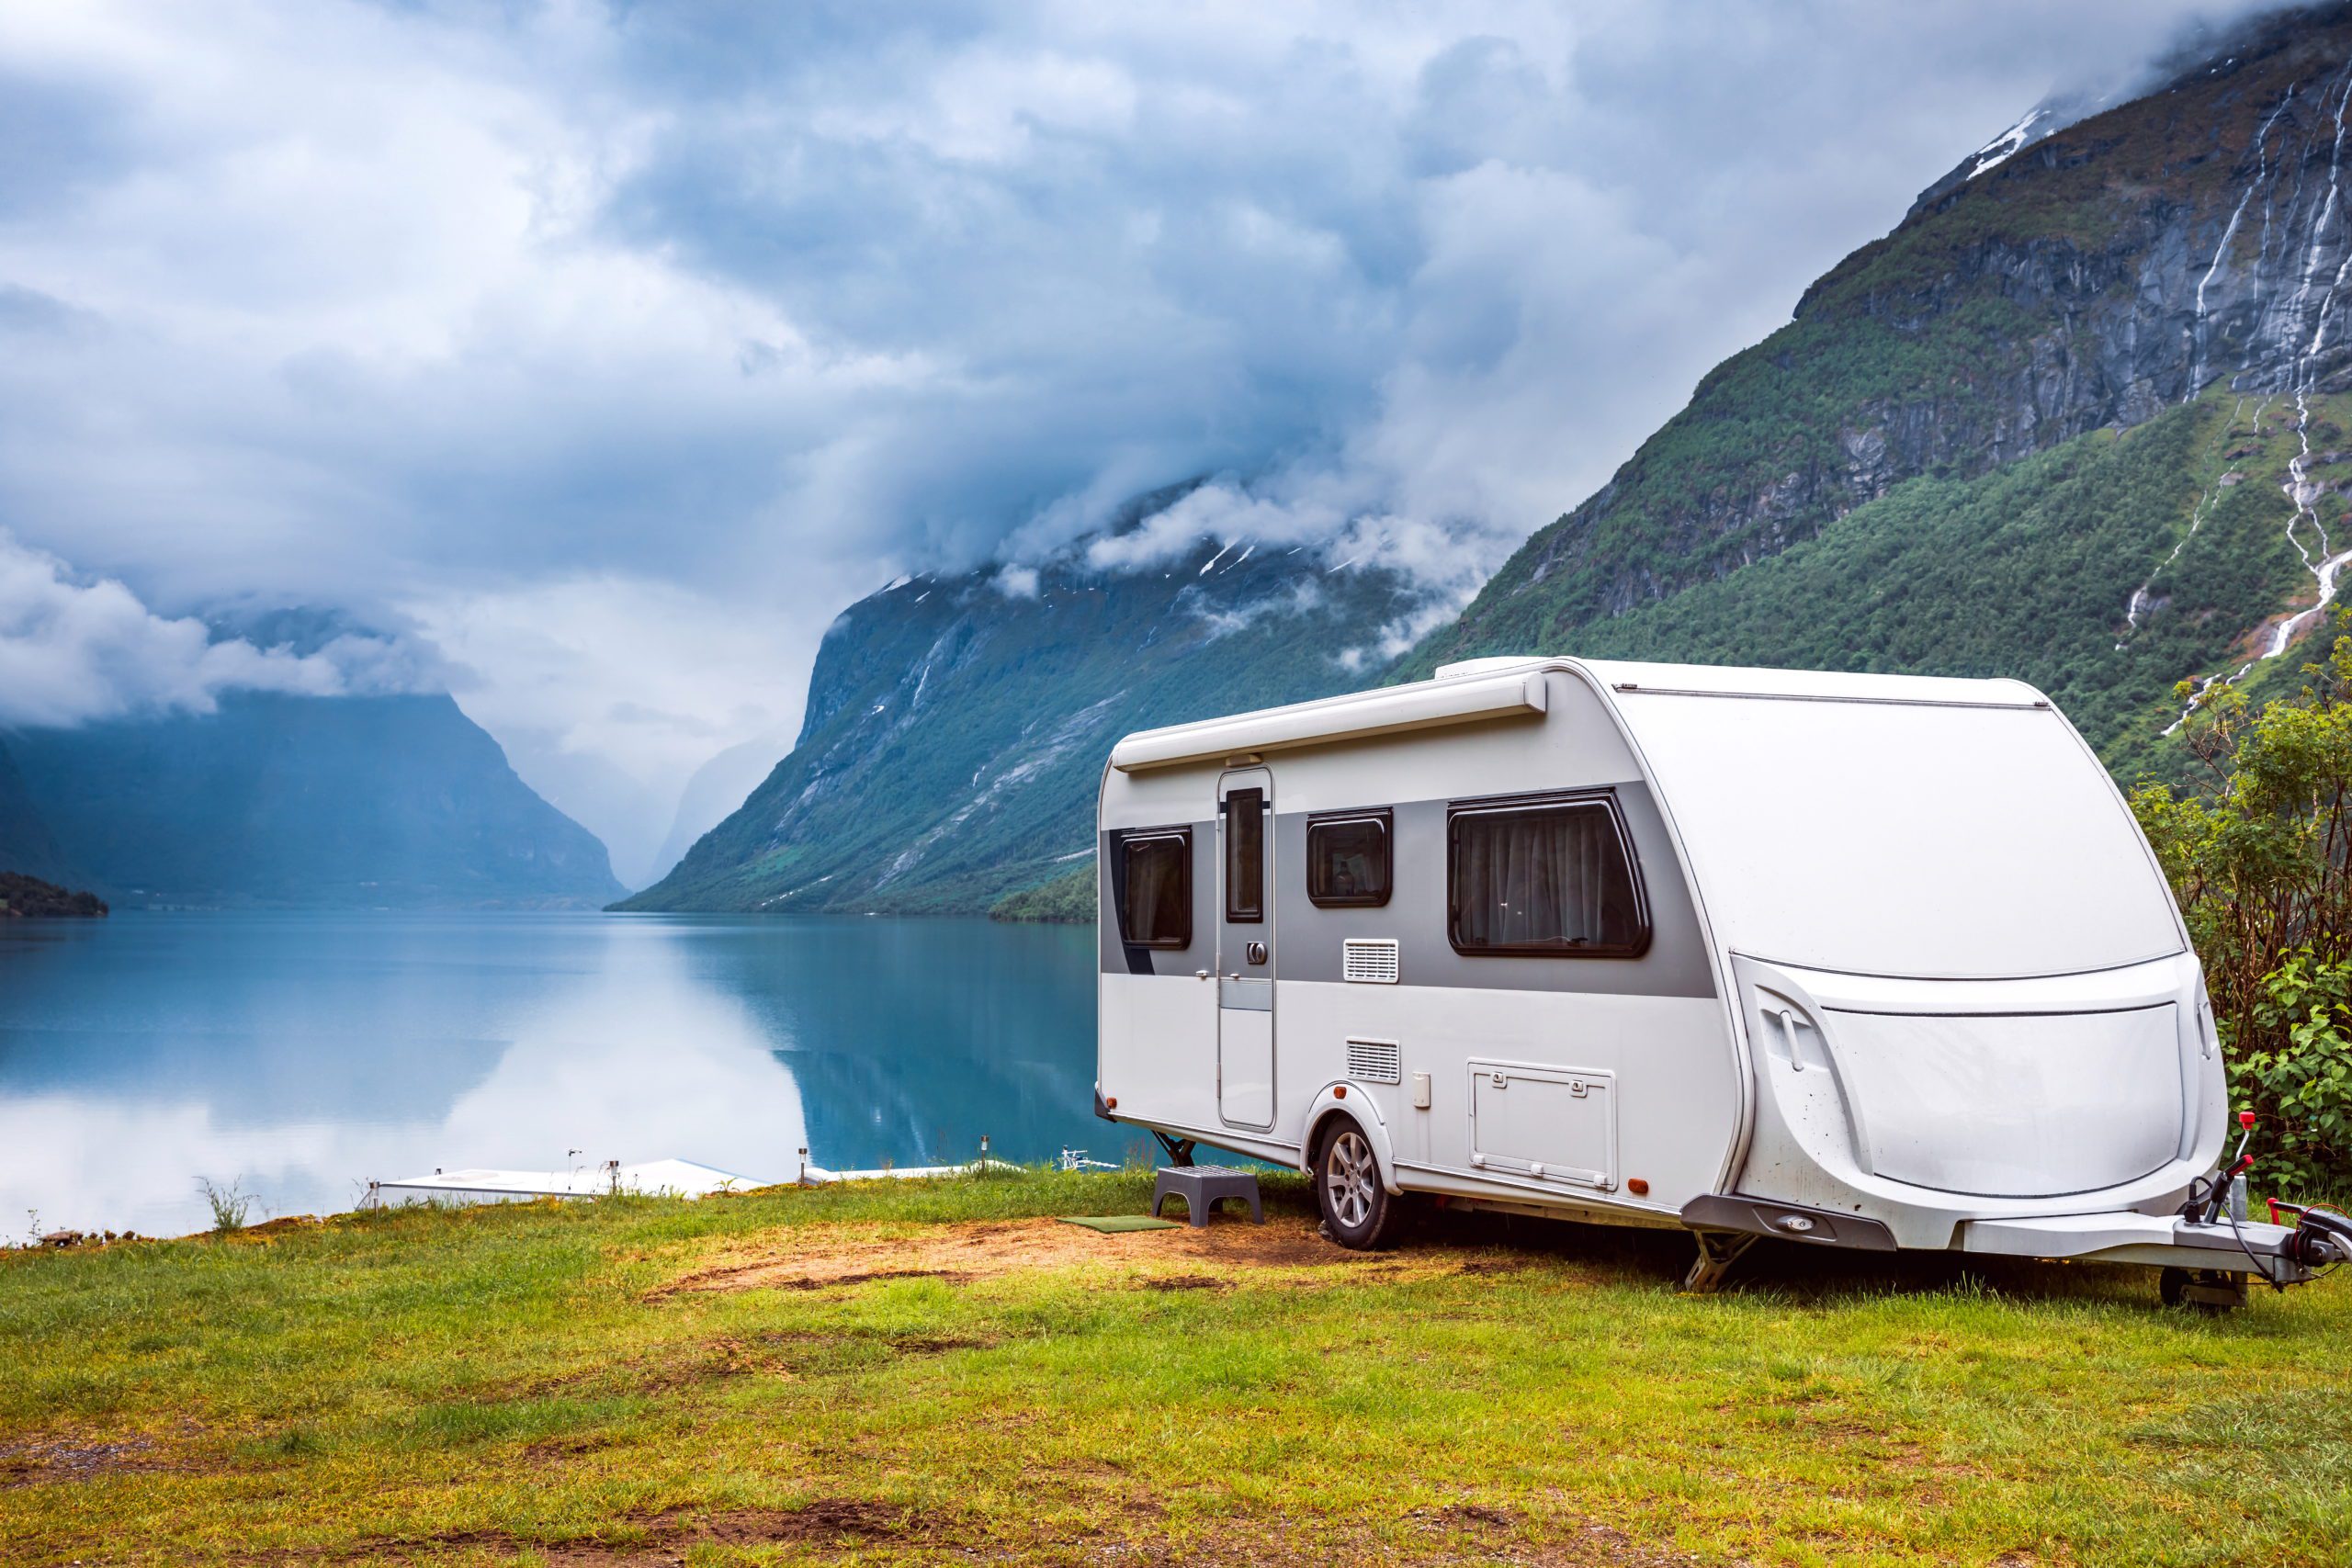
{"x": 1718, "y": 1251}
{"x": 1179, "y": 1150}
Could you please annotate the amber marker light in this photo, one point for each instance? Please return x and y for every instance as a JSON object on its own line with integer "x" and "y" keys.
{"x": 1638, "y": 1187}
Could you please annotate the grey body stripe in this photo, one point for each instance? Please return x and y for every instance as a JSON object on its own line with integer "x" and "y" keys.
{"x": 1306, "y": 941}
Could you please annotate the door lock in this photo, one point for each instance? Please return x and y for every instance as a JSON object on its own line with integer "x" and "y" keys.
{"x": 1255, "y": 951}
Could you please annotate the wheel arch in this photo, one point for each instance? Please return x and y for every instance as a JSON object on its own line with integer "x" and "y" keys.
{"x": 1348, "y": 1102}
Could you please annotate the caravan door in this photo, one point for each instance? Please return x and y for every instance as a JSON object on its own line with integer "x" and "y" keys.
{"x": 1245, "y": 956}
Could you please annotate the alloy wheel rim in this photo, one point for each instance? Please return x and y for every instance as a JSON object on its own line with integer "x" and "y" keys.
{"x": 1348, "y": 1179}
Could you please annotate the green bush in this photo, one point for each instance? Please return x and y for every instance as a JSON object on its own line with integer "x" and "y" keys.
{"x": 2261, "y": 863}
{"x": 2296, "y": 1064}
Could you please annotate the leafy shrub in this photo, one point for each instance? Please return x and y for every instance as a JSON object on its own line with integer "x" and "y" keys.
{"x": 2297, "y": 1063}
{"x": 2261, "y": 863}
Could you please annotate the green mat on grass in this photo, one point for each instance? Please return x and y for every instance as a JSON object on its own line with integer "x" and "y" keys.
{"x": 1113, "y": 1223}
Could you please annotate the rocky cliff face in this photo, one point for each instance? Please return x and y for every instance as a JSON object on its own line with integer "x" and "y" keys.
{"x": 2197, "y": 238}
{"x": 956, "y": 725}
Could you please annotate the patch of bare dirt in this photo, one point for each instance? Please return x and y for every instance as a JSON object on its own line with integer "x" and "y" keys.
{"x": 61, "y": 1460}
{"x": 918, "y": 1345}
{"x": 812, "y": 1257}
{"x": 572, "y": 1445}
{"x": 1186, "y": 1283}
{"x": 1453, "y": 1535}
{"x": 827, "y": 1519}
{"x": 1481, "y": 1265}
{"x": 283, "y": 1224}
{"x": 1129, "y": 1530}
{"x": 667, "y": 1537}
{"x": 1460, "y": 1514}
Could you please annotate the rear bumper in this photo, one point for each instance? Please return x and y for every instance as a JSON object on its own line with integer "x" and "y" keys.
{"x": 2156, "y": 1241}
{"x": 2153, "y": 1241}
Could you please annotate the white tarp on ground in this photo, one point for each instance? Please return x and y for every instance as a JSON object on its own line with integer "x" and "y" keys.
{"x": 677, "y": 1178}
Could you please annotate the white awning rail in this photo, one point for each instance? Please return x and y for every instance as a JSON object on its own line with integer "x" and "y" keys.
{"x": 1387, "y": 711}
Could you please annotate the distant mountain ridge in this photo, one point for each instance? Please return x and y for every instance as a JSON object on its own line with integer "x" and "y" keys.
{"x": 956, "y": 725}
{"x": 274, "y": 800}
{"x": 28, "y": 844}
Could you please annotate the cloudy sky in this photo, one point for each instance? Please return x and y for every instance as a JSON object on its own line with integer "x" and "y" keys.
{"x": 597, "y": 355}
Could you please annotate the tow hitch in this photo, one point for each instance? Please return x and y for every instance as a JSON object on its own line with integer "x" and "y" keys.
{"x": 2279, "y": 1256}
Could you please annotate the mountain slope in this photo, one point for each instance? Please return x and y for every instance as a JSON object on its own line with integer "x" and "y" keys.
{"x": 956, "y": 732}
{"x": 27, "y": 844}
{"x": 2190, "y": 246}
{"x": 307, "y": 801}
{"x": 2022, "y": 572}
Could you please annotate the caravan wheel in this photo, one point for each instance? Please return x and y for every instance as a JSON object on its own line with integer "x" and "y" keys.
{"x": 1357, "y": 1211}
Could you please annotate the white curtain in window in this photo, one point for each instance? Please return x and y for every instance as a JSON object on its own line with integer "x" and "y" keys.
{"x": 1537, "y": 877}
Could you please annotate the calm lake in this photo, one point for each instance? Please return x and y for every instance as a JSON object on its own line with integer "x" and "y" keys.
{"x": 301, "y": 1054}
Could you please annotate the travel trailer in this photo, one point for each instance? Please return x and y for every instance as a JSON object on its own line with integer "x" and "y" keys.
{"x": 1863, "y": 961}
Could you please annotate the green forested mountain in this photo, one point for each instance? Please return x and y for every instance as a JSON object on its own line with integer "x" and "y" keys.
{"x": 2076, "y": 419}
{"x": 2031, "y": 570}
{"x": 353, "y": 801}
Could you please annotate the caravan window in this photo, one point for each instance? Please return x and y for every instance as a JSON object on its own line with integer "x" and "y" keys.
{"x": 1349, "y": 864}
{"x": 1245, "y": 856}
{"x": 1543, "y": 878}
{"x": 1156, "y": 889}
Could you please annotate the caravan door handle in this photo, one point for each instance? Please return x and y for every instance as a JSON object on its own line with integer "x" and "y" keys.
{"x": 1789, "y": 1029}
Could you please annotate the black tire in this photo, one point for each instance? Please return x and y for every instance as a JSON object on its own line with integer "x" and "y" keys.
{"x": 2170, "y": 1285}
{"x": 1358, "y": 1212}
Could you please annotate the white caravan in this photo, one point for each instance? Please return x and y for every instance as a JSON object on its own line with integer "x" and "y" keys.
{"x": 1865, "y": 961}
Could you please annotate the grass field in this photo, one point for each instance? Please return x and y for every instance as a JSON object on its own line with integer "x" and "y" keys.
{"x": 926, "y": 1372}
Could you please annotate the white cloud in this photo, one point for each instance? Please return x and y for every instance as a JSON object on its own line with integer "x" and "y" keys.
{"x": 72, "y": 651}
{"x": 610, "y": 692}
{"x": 462, "y": 306}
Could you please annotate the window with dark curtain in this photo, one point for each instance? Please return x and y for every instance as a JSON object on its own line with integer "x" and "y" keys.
{"x": 1545, "y": 880}
{"x": 1157, "y": 910}
{"x": 1245, "y": 856}
{"x": 1349, "y": 863}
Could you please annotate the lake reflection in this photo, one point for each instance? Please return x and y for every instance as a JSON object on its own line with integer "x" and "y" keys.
{"x": 302, "y": 1055}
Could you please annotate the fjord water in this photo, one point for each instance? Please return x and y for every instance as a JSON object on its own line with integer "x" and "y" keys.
{"x": 300, "y": 1054}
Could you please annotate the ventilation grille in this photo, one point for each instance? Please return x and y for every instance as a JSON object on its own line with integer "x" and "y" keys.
{"x": 1370, "y": 959}
{"x": 1376, "y": 1061}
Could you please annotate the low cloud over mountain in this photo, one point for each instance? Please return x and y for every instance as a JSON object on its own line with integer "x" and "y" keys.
{"x": 463, "y": 312}
{"x": 74, "y": 650}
